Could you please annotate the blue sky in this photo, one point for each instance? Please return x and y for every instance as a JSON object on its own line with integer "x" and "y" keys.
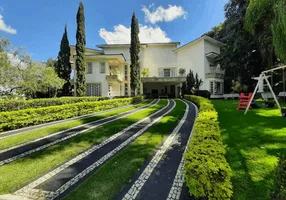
{"x": 38, "y": 25}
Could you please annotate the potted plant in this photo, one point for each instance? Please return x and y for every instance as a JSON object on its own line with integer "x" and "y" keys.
{"x": 145, "y": 72}
{"x": 182, "y": 71}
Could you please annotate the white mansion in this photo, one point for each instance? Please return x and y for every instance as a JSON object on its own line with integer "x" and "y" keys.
{"x": 108, "y": 69}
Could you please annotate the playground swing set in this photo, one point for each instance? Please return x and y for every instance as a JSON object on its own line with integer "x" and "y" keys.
{"x": 246, "y": 100}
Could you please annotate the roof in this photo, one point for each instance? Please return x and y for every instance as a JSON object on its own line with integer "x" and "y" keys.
{"x": 205, "y": 37}
{"x": 100, "y": 56}
{"x": 142, "y": 44}
{"x": 98, "y": 50}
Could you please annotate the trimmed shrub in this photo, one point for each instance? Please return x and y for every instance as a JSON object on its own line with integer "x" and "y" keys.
{"x": 279, "y": 192}
{"x": 33, "y": 116}
{"x": 203, "y": 93}
{"x": 208, "y": 175}
{"x": 10, "y": 105}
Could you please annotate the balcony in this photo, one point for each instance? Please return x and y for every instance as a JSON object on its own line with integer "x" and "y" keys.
{"x": 165, "y": 75}
{"x": 114, "y": 78}
{"x": 215, "y": 72}
{"x": 212, "y": 55}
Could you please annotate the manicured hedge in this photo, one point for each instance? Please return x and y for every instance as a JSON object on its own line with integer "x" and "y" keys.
{"x": 279, "y": 191}
{"x": 10, "y": 105}
{"x": 208, "y": 175}
{"x": 33, "y": 116}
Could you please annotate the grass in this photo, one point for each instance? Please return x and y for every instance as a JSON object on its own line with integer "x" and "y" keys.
{"x": 108, "y": 180}
{"x": 254, "y": 143}
{"x": 15, "y": 174}
{"x": 32, "y": 135}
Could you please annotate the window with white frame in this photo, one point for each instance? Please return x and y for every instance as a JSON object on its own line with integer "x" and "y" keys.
{"x": 102, "y": 68}
{"x": 89, "y": 68}
{"x": 126, "y": 72}
{"x": 212, "y": 87}
{"x": 126, "y": 89}
{"x": 216, "y": 87}
{"x": 93, "y": 89}
{"x": 167, "y": 72}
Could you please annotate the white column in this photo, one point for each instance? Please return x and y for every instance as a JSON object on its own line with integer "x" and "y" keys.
{"x": 141, "y": 88}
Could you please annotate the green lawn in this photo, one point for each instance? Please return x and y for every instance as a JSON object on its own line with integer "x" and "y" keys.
{"x": 106, "y": 182}
{"x": 254, "y": 142}
{"x": 32, "y": 135}
{"x": 14, "y": 174}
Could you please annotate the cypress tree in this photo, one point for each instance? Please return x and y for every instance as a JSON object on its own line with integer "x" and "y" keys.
{"x": 63, "y": 65}
{"x": 134, "y": 56}
{"x": 190, "y": 82}
{"x": 80, "y": 52}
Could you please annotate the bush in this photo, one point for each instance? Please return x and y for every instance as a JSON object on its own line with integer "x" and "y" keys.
{"x": 10, "y": 105}
{"x": 279, "y": 192}
{"x": 33, "y": 116}
{"x": 208, "y": 175}
{"x": 203, "y": 93}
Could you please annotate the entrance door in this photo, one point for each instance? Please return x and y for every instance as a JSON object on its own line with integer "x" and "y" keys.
{"x": 172, "y": 91}
{"x": 155, "y": 94}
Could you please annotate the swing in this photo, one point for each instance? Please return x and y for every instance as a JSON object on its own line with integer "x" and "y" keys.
{"x": 267, "y": 96}
{"x": 283, "y": 110}
{"x": 260, "y": 82}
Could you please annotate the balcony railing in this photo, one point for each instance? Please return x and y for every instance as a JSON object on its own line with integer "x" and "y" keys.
{"x": 116, "y": 77}
{"x": 215, "y": 72}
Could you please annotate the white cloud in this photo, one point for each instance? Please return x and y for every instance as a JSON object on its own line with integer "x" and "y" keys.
{"x": 161, "y": 14}
{"x": 6, "y": 28}
{"x": 121, "y": 35}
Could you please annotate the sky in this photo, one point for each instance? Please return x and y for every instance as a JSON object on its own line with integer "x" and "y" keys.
{"x": 38, "y": 25}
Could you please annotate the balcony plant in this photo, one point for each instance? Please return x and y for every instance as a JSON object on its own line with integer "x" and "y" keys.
{"x": 145, "y": 72}
{"x": 115, "y": 72}
{"x": 182, "y": 71}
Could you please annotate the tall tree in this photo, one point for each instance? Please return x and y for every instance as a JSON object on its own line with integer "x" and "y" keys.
{"x": 134, "y": 56}
{"x": 63, "y": 65}
{"x": 266, "y": 19}
{"x": 190, "y": 81}
{"x": 51, "y": 63}
{"x": 80, "y": 52}
{"x": 242, "y": 57}
{"x": 19, "y": 72}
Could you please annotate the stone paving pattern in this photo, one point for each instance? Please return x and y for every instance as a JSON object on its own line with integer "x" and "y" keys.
{"x": 29, "y": 190}
{"x": 13, "y": 153}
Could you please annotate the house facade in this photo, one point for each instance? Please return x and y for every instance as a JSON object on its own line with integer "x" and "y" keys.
{"x": 108, "y": 69}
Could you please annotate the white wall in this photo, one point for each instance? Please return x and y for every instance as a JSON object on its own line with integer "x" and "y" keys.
{"x": 151, "y": 57}
{"x": 159, "y": 57}
{"x": 209, "y": 47}
{"x": 192, "y": 57}
{"x": 97, "y": 77}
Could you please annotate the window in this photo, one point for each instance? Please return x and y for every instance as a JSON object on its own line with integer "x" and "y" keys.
{"x": 126, "y": 89}
{"x": 126, "y": 72}
{"x": 89, "y": 68}
{"x": 212, "y": 87}
{"x": 167, "y": 72}
{"x": 102, "y": 68}
{"x": 93, "y": 89}
{"x": 216, "y": 87}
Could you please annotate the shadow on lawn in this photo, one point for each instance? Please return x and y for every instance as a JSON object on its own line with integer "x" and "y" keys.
{"x": 254, "y": 142}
